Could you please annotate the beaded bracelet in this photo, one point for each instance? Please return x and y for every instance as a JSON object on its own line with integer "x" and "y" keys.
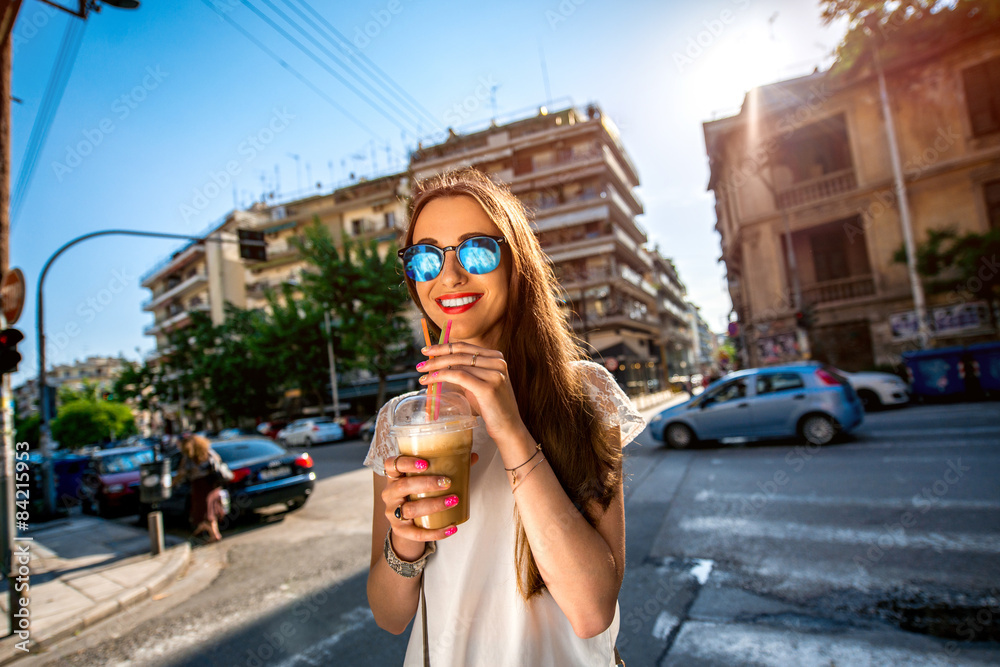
{"x": 538, "y": 449}
{"x": 530, "y": 470}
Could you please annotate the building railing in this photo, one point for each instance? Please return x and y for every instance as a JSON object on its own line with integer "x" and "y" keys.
{"x": 173, "y": 291}
{"x": 829, "y": 185}
{"x": 842, "y": 289}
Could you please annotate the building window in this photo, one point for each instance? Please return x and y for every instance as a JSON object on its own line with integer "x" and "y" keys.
{"x": 357, "y": 226}
{"x": 982, "y": 95}
{"x": 992, "y": 192}
{"x": 390, "y": 219}
{"x": 829, "y": 256}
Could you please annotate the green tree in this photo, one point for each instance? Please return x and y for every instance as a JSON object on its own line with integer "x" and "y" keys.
{"x": 88, "y": 391}
{"x": 85, "y": 422}
{"x": 26, "y": 430}
{"x": 366, "y": 295}
{"x": 132, "y": 384}
{"x": 292, "y": 342}
{"x": 903, "y": 27}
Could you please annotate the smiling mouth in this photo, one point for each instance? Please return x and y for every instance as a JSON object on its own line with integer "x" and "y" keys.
{"x": 458, "y": 304}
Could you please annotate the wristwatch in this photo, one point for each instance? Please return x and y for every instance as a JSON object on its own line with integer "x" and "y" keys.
{"x": 405, "y": 568}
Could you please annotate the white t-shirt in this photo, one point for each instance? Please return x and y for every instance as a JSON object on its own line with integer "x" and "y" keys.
{"x": 475, "y": 615}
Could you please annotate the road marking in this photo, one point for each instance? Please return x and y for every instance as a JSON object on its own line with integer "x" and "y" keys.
{"x": 799, "y": 532}
{"x": 737, "y": 643}
{"x": 665, "y": 624}
{"x": 930, "y": 432}
{"x": 916, "y": 502}
{"x": 318, "y": 654}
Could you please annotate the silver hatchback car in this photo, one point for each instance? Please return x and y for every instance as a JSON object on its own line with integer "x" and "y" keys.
{"x": 311, "y": 431}
{"x": 806, "y": 399}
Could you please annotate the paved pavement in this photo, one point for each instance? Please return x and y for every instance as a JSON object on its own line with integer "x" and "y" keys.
{"x": 84, "y": 570}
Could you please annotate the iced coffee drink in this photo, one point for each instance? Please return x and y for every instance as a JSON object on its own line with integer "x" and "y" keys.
{"x": 440, "y": 434}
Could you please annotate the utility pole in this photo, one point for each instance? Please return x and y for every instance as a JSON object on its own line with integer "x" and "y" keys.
{"x": 916, "y": 287}
{"x": 333, "y": 363}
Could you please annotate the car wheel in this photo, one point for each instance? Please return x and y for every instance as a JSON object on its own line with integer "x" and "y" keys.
{"x": 308, "y": 442}
{"x": 296, "y": 503}
{"x": 679, "y": 436}
{"x": 869, "y": 400}
{"x": 818, "y": 429}
{"x": 102, "y": 508}
{"x": 88, "y": 507}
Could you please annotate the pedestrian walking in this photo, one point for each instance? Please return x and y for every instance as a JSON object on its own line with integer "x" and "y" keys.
{"x": 533, "y": 576}
{"x": 207, "y": 473}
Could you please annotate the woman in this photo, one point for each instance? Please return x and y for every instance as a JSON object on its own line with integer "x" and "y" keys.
{"x": 206, "y": 471}
{"x": 533, "y": 576}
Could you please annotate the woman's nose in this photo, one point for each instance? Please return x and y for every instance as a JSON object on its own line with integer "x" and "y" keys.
{"x": 452, "y": 272}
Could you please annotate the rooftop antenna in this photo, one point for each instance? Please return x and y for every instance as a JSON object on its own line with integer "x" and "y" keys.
{"x": 770, "y": 24}
{"x": 545, "y": 75}
{"x": 277, "y": 179}
{"x": 493, "y": 102}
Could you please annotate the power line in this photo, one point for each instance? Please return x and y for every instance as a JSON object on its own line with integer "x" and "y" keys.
{"x": 342, "y": 44}
{"x": 292, "y": 70}
{"x": 322, "y": 64}
{"x": 394, "y": 106}
{"x": 54, "y": 90}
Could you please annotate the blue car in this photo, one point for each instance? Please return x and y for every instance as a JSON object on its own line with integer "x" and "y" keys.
{"x": 807, "y": 399}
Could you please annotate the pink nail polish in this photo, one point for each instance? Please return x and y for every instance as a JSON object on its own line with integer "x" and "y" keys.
{"x": 434, "y": 374}
{"x": 421, "y": 365}
{"x": 451, "y": 501}
{"x": 450, "y": 530}
{"x": 420, "y": 465}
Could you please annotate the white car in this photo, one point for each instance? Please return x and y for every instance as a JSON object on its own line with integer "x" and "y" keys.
{"x": 877, "y": 390}
{"x": 311, "y": 431}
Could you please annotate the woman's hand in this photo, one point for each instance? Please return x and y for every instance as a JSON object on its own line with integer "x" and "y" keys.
{"x": 399, "y": 486}
{"x": 482, "y": 375}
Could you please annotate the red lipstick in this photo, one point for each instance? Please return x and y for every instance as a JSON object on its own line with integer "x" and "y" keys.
{"x": 457, "y": 309}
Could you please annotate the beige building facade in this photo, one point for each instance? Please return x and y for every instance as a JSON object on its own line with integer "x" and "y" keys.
{"x": 808, "y": 214}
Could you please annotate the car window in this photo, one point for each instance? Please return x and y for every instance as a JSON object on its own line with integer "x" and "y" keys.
{"x": 769, "y": 383}
{"x": 730, "y": 391}
{"x": 110, "y": 465}
{"x": 325, "y": 420}
{"x": 247, "y": 449}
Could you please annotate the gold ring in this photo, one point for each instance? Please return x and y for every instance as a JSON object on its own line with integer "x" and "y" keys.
{"x": 451, "y": 348}
{"x": 394, "y": 467}
{"x": 474, "y": 359}
{"x": 398, "y": 513}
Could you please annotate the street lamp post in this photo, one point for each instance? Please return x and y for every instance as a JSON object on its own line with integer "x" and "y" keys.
{"x": 333, "y": 363}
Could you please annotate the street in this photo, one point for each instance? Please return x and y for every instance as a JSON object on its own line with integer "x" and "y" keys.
{"x": 756, "y": 554}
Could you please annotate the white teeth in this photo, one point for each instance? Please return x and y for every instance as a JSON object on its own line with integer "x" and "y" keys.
{"x": 455, "y": 303}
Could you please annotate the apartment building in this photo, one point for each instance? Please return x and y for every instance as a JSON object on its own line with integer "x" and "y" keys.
{"x": 367, "y": 210}
{"x": 807, "y": 211}
{"x": 572, "y": 173}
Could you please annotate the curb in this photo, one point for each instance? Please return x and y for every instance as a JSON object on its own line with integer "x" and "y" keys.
{"x": 180, "y": 556}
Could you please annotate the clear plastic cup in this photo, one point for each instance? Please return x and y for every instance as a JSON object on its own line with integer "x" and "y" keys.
{"x": 445, "y": 443}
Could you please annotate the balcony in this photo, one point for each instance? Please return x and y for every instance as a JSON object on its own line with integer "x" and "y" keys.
{"x": 171, "y": 321}
{"x": 159, "y": 299}
{"x": 815, "y": 189}
{"x": 172, "y": 263}
{"x": 844, "y": 289}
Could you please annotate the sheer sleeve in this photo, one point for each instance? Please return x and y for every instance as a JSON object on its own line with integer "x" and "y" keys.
{"x": 382, "y": 446}
{"x": 613, "y": 405}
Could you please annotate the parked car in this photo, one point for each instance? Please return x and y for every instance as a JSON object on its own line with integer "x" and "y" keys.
{"x": 272, "y": 428}
{"x": 351, "y": 425}
{"x": 311, "y": 431}
{"x": 806, "y": 399}
{"x": 368, "y": 428}
{"x": 877, "y": 390}
{"x": 110, "y": 484}
{"x": 264, "y": 474}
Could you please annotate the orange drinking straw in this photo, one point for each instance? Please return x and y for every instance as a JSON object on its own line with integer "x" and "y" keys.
{"x": 427, "y": 341}
{"x": 445, "y": 334}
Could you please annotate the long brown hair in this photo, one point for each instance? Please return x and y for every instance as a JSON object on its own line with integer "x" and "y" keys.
{"x": 538, "y": 347}
{"x": 196, "y": 448}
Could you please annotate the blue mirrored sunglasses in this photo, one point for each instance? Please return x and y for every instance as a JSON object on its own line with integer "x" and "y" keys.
{"x": 477, "y": 255}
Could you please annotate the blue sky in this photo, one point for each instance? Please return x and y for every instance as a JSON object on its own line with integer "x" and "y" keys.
{"x": 162, "y": 98}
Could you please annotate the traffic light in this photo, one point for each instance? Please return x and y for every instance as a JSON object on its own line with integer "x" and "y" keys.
{"x": 804, "y": 318}
{"x": 9, "y": 356}
{"x": 252, "y": 245}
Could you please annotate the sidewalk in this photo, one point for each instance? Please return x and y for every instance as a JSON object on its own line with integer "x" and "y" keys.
{"x": 83, "y": 570}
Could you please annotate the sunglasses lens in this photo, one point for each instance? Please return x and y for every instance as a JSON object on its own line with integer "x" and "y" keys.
{"x": 422, "y": 263}
{"x": 479, "y": 255}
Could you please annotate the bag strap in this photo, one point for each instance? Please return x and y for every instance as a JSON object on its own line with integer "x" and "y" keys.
{"x": 423, "y": 621}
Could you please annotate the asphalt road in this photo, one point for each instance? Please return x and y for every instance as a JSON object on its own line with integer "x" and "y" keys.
{"x": 764, "y": 554}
